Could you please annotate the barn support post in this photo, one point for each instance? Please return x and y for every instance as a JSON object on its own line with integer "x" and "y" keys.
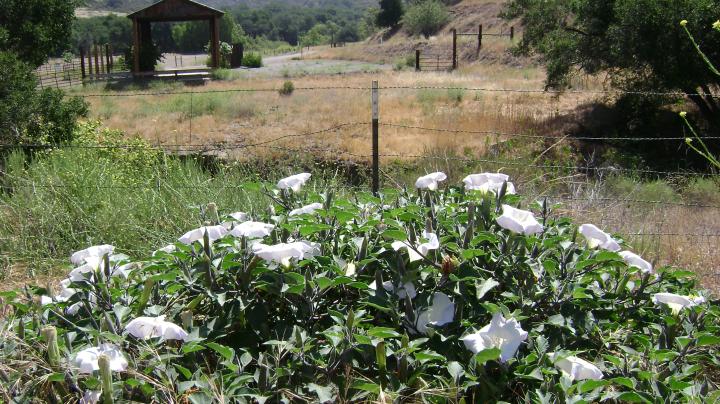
{"x": 455, "y": 55}
{"x": 215, "y": 38}
{"x": 417, "y": 60}
{"x": 136, "y": 46}
{"x": 82, "y": 62}
{"x": 375, "y": 138}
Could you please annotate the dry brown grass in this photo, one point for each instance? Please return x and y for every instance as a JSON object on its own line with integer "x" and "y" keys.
{"x": 252, "y": 117}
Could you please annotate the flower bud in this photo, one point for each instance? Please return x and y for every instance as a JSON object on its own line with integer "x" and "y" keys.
{"x": 683, "y": 114}
{"x": 716, "y": 25}
{"x": 688, "y": 140}
{"x": 683, "y": 23}
{"x": 53, "y": 351}
{"x": 106, "y": 378}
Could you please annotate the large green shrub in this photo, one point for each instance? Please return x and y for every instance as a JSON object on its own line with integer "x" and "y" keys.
{"x": 425, "y": 17}
{"x": 29, "y": 115}
{"x": 407, "y": 296}
{"x": 252, "y": 60}
{"x": 150, "y": 56}
{"x": 390, "y": 14}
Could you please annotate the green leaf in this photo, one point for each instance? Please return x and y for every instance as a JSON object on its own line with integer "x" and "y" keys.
{"x": 185, "y": 371}
{"x": 395, "y": 234}
{"x": 56, "y": 377}
{"x": 167, "y": 276}
{"x": 632, "y": 397}
{"x": 456, "y": 370}
{"x": 472, "y": 253}
{"x": 309, "y": 229}
{"x": 200, "y": 398}
{"x": 581, "y": 293}
{"x": 192, "y": 347}
{"x": 624, "y": 381}
{"x": 369, "y": 387}
{"x": 428, "y": 356}
{"x": 226, "y": 352}
{"x": 486, "y": 286}
{"x": 485, "y": 355}
{"x": 590, "y": 385}
{"x": 383, "y": 332}
{"x": 557, "y": 320}
{"x": 705, "y": 340}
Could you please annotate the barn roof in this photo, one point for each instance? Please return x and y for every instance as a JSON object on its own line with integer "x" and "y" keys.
{"x": 176, "y": 10}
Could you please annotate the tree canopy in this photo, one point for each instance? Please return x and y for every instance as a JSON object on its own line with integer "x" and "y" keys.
{"x": 30, "y": 30}
{"x": 638, "y": 42}
{"x": 36, "y": 28}
{"x": 391, "y": 12}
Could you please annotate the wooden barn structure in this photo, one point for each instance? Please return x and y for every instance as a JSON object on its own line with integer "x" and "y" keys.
{"x": 174, "y": 11}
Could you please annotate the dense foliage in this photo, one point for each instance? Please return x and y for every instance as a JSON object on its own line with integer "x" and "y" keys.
{"x": 32, "y": 29}
{"x": 431, "y": 296}
{"x": 111, "y": 29}
{"x": 29, "y": 32}
{"x": 425, "y": 17}
{"x": 255, "y": 27}
{"x": 390, "y": 14}
{"x": 624, "y": 38}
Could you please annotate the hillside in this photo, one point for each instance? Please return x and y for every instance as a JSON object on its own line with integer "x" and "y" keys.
{"x": 132, "y": 5}
{"x": 391, "y": 45}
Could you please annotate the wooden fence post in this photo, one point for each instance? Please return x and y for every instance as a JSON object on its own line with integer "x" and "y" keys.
{"x": 480, "y": 34}
{"x": 108, "y": 58}
{"x": 455, "y": 55}
{"x": 82, "y": 62}
{"x": 90, "y": 64}
{"x": 102, "y": 59}
{"x": 97, "y": 61}
{"x": 417, "y": 60}
{"x": 375, "y": 139}
{"x": 512, "y": 33}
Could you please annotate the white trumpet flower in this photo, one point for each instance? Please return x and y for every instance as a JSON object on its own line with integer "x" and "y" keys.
{"x": 430, "y": 181}
{"x": 519, "y": 221}
{"x": 597, "y": 238}
{"x": 294, "y": 182}
{"x": 501, "y": 333}
{"x": 488, "y": 182}
{"x": 576, "y": 368}
{"x": 87, "y": 360}
{"x": 154, "y": 327}
{"x": 213, "y": 232}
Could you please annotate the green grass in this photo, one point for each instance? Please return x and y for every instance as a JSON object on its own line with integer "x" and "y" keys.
{"x": 136, "y": 200}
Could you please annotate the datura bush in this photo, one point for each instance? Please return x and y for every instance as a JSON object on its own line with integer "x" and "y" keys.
{"x": 449, "y": 293}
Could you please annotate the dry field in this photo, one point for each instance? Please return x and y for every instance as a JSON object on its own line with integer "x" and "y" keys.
{"x": 218, "y": 113}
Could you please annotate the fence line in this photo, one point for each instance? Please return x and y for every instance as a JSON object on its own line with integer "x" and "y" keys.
{"x": 552, "y": 137}
{"x": 359, "y": 88}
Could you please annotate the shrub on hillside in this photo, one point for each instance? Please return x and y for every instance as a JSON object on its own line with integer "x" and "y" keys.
{"x": 425, "y": 17}
{"x": 252, "y": 60}
{"x": 444, "y": 294}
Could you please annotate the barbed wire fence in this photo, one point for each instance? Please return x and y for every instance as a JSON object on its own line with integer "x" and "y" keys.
{"x": 610, "y": 212}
